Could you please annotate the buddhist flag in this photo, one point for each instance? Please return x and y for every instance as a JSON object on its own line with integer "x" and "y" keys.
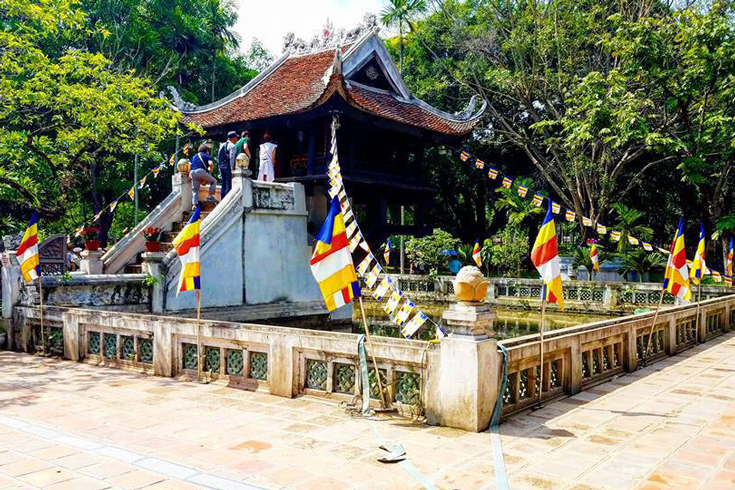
{"x": 555, "y": 208}
{"x": 113, "y": 206}
{"x": 676, "y": 279}
{"x": 186, "y": 150}
{"x": 586, "y": 221}
{"x": 699, "y": 266}
{"x": 414, "y": 324}
{"x": 155, "y": 170}
{"x": 492, "y": 173}
{"x": 476, "y": 254}
{"x": 615, "y": 236}
{"x": 571, "y": 215}
{"x": 730, "y": 257}
{"x": 538, "y": 199}
{"x": 171, "y": 160}
{"x": 522, "y": 190}
{"x": 647, "y": 246}
{"x": 632, "y": 240}
{"x": 479, "y": 164}
{"x": 385, "y": 285}
{"x": 464, "y": 155}
{"x": 594, "y": 258}
{"x": 601, "y": 229}
{"x": 331, "y": 262}
{"x": 507, "y": 183}
{"x": 386, "y": 251}
{"x": 131, "y": 193}
{"x": 546, "y": 259}
{"x": 716, "y": 276}
{"x": 187, "y": 248}
{"x": 27, "y": 253}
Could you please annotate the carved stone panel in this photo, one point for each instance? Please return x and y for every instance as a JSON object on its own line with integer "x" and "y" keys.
{"x": 273, "y": 198}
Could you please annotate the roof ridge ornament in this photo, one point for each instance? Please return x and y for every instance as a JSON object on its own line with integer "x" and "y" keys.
{"x": 330, "y": 37}
{"x": 337, "y": 66}
{"x": 178, "y": 101}
{"x": 468, "y": 111}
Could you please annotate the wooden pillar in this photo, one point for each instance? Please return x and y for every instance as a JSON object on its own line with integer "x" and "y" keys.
{"x": 312, "y": 152}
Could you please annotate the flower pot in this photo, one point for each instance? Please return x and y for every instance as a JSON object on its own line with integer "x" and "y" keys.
{"x": 152, "y": 246}
{"x": 92, "y": 245}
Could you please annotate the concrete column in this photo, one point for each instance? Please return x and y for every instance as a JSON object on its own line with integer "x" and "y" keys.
{"x": 575, "y": 367}
{"x": 630, "y": 362}
{"x": 72, "y": 336}
{"x": 91, "y": 262}
{"x": 163, "y": 353}
{"x": 490, "y": 292}
{"x": 181, "y": 182}
{"x": 153, "y": 266}
{"x": 470, "y": 368}
{"x": 12, "y": 282}
{"x": 609, "y": 299}
{"x": 702, "y": 325}
{"x": 670, "y": 339}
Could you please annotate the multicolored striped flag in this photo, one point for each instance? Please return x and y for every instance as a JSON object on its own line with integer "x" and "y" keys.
{"x": 538, "y": 199}
{"x": 27, "y": 253}
{"x": 331, "y": 262}
{"x": 507, "y": 183}
{"x": 632, "y": 240}
{"x": 492, "y": 173}
{"x": 414, "y": 324}
{"x": 131, "y": 193}
{"x": 676, "y": 279}
{"x": 716, "y": 276}
{"x": 522, "y": 190}
{"x": 571, "y": 215}
{"x": 615, "y": 236}
{"x": 601, "y": 229}
{"x": 545, "y": 257}
{"x": 699, "y": 266}
{"x": 155, "y": 170}
{"x": 186, "y": 244}
{"x": 476, "y": 254}
{"x": 586, "y": 221}
{"x": 479, "y": 164}
{"x": 730, "y": 257}
{"x": 464, "y": 155}
{"x": 647, "y": 246}
{"x": 594, "y": 257}
{"x": 386, "y": 251}
{"x": 555, "y": 207}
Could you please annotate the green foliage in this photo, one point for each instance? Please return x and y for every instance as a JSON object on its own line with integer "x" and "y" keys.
{"x": 581, "y": 257}
{"x": 426, "y": 252}
{"x": 518, "y": 208}
{"x": 627, "y": 222}
{"x": 641, "y": 262}
{"x": 509, "y": 251}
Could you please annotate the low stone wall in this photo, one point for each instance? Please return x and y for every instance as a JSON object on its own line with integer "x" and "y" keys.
{"x": 579, "y": 357}
{"x": 582, "y": 296}
{"x": 119, "y": 292}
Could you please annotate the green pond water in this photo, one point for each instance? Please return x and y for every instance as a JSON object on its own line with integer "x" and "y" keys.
{"x": 508, "y": 322}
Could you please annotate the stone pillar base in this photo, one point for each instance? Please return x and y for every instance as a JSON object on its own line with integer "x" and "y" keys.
{"x": 153, "y": 266}
{"x": 91, "y": 262}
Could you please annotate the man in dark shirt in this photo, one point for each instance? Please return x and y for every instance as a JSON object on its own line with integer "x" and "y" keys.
{"x": 198, "y": 173}
{"x": 226, "y": 162}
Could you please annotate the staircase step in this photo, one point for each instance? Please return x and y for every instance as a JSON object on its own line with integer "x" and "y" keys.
{"x": 133, "y": 269}
{"x": 207, "y": 206}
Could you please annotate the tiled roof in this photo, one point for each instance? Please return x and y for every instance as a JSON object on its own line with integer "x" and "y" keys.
{"x": 389, "y": 107}
{"x": 299, "y": 83}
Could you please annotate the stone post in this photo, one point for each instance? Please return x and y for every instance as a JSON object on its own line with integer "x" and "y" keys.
{"x": 12, "y": 282}
{"x": 71, "y": 336}
{"x": 153, "y": 266}
{"x": 181, "y": 182}
{"x": 609, "y": 297}
{"x": 470, "y": 364}
{"x": 91, "y": 262}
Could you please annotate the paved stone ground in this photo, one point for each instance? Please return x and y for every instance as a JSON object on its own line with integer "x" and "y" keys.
{"x": 67, "y": 425}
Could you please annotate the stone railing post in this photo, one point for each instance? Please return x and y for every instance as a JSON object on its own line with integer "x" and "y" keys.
{"x": 670, "y": 339}
{"x": 470, "y": 362}
{"x": 91, "y": 262}
{"x": 575, "y": 367}
{"x": 12, "y": 282}
{"x": 609, "y": 298}
{"x": 153, "y": 266}
{"x": 181, "y": 182}
{"x": 71, "y": 336}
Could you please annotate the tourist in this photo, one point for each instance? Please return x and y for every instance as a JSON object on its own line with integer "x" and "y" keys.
{"x": 242, "y": 144}
{"x": 198, "y": 173}
{"x": 226, "y": 162}
{"x": 267, "y": 170}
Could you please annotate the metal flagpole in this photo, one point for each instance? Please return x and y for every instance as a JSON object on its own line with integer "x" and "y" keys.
{"x": 199, "y": 336}
{"x": 653, "y": 325}
{"x": 372, "y": 354}
{"x": 541, "y": 345}
{"x": 40, "y": 309}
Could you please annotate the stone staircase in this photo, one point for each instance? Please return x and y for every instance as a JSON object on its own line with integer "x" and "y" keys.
{"x": 167, "y": 237}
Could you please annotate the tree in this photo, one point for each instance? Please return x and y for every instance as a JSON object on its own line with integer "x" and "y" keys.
{"x": 428, "y": 252}
{"x": 641, "y": 262}
{"x": 69, "y": 122}
{"x": 518, "y": 208}
{"x": 627, "y": 223}
{"x": 401, "y": 13}
{"x": 258, "y": 58}
{"x": 510, "y": 251}
{"x": 219, "y": 21}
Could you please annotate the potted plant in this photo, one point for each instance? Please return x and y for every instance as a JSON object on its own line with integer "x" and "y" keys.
{"x": 91, "y": 238}
{"x": 152, "y": 236}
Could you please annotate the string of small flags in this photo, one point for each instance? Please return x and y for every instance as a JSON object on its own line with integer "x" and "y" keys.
{"x": 400, "y": 309}
{"x": 131, "y": 192}
{"x": 571, "y": 215}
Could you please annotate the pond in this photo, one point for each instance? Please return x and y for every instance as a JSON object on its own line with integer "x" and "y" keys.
{"x": 508, "y": 323}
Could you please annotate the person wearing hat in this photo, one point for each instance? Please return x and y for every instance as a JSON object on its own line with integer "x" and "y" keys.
{"x": 226, "y": 162}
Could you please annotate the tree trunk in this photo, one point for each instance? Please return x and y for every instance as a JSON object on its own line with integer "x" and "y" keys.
{"x": 214, "y": 70}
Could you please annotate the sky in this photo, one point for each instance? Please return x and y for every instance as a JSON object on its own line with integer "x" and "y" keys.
{"x": 271, "y": 20}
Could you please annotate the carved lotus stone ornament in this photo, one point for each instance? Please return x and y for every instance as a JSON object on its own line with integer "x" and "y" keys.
{"x": 470, "y": 286}
{"x": 183, "y": 165}
{"x": 242, "y": 161}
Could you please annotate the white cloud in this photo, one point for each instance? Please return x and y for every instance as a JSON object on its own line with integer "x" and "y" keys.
{"x": 271, "y": 20}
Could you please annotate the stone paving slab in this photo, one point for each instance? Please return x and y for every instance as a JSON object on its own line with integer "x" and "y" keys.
{"x": 67, "y": 425}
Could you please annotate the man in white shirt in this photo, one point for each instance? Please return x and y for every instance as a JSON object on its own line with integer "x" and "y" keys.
{"x": 267, "y": 170}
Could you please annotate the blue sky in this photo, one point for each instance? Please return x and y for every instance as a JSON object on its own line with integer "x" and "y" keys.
{"x": 270, "y": 20}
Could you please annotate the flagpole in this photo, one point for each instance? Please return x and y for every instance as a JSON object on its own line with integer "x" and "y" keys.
{"x": 653, "y": 325}
{"x": 40, "y": 309}
{"x": 372, "y": 354}
{"x": 199, "y": 336}
{"x": 699, "y": 299}
{"x": 541, "y": 346}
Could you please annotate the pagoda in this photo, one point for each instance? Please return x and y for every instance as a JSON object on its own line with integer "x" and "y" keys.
{"x": 383, "y": 133}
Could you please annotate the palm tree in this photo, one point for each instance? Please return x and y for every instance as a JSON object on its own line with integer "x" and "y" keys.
{"x": 627, "y": 224}
{"x": 518, "y": 208}
{"x": 581, "y": 257}
{"x": 641, "y": 262}
{"x": 400, "y": 13}
{"x": 220, "y": 19}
